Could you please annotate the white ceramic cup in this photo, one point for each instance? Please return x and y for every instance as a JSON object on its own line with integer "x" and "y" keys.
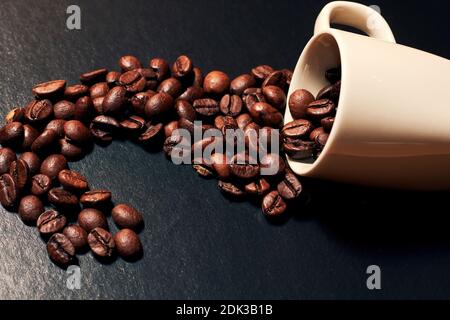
{"x": 392, "y": 127}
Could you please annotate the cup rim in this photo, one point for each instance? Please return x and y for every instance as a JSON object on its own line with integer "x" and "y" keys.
{"x": 313, "y": 169}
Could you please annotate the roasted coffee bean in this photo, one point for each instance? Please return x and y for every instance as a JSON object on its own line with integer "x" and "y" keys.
{"x": 150, "y": 77}
{"x": 101, "y": 242}
{"x": 170, "y": 128}
{"x": 266, "y": 115}
{"x": 242, "y": 82}
{"x": 7, "y": 156}
{"x": 186, "y": 124}
{"x": 90, "y": 219}
{"x": 133, "y": 124}
{"x": 203, "y": 170}
{"x": 330, "y": 92}
{"x": 139, "y": 100}
{"x": 258, "y": 187}
{"x": 315, "y": 133}
{"x": 160, "y": 67}
{"x": 297, "y": 129}
{"x": 151, "y": 133}
{"x": 299, "y": 150}
{"x": 320, "y": 109}
{"x": 125, "y": 216}
{"x": 30, "y": 208}
{"x": 38, "y": 110}
{"x": 206, "y": 107}
{"x": 40, "y": 184}
{"x": 72, "y": 180}
{"x": 230, "y": 189}
{"x": 199, "y": 147}
{"x": 75, "y": 91}
{"x": 216, "y": 82}
{"x": 290, "y": 187}
{"x": 262, "y": 72}
{"x": 8, "y": 190}
{"x": 20, "y": 172}
{"x": 58, "y": 126}
{"x": 62, "y": 198}
{"x": 288, "y": 76}
{"x": 114, "y": 100}
{"x": 191, "y": 94}
{"x": 70, "y": 151}
{"x": 127, "y": 243}
{"x": 244, "y": 167}
{"x": 93, "y": 76}
{"x": 327, "y": 123}
{"x": 231, "y": 105}
{"x": 112, "y": 78}
{"x": 276, "y": 78}
{"x": 32, "y": 160}
{"x": 77, "y": 235}
{"x": 95, "y": 198}
{"x": 321, "y": 140}
{"x": 49, "y": 89}
{"x": 60, "y": 250}
{"x": 45, "y": 142}
{"x": 176, "y": 146}
{"x": 243, "y": 120}
{"x": 104, "y": 127}
{"x": 158, "y": 104}
{"x": 127, "y": 63}
{"x": 171, "y": 86}
{"x": 29, "y": 135}
{"x": 84, "y": 108}
{"x": 97, "y": 103}
{"x": 53, "y": 164}
{"x": 185, "y": 110}
{"x": 12, "y": 134}
{"x": 333, "y": 75}
{"x": 198, "y": 78}
{"x": 298, "y": 103}
{"x": 15, "y": 115}
{"x": 182, "y": 66}
{"x": 220, "y": 165}
{"x": 133, "y": 81}
{"x": 272, "y": 164}
{"x": 273, "y": 204}
{"x": 99, "y": 89}
{"x": 229, "y": 123}
{"x": 251, "y": 96}
{"x": 76, "y": 132}
{"x": 51, "y": 221}
{"x": 275, "y": 96}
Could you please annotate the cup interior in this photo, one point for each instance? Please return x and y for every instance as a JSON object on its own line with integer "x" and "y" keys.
{"x": 319, "y": 55}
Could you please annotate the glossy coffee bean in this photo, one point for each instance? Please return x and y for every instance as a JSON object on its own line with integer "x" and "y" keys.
{"x": 128, "y": 62}
{"x": 327, "y": 123}
{"x": 90, "y": 219}
{"x": 40, "y": 184}
{"x": 150, "y": 77}
{"x": 273, "y": 204}
{"x": 216, "y": 82}
{"x": 30, "y": 208}
{"x": 7, "y": 156}
{"x": 321, "y": 140}
{"x": 103, "y": 128}
{"x": 298, "y": 103}
{"x": 139, "y": 100}
{"x": 151, "y": 134}
{"x": 176, "y": 146}
{"x": 32, "y": 160}
{"x": 243, "y": 167}
{"x": 99, "y": 89}
{"x": 243, "y": 120}
{"x": 262, "y": 72}
{"x": 182, "y": 66}
{"x": 230, "y": 189}
{"x": 258, "y": 187}
{"x": 15, "y": 115}
{"x": 133, "y": 124}
{"x": 290, "y": 187}
{"x": 276, "y": 78}
{"x": 203, "y": 170}
{"x": 77, "y": 235}
{"x": 333, "y": 75}
{"x": 171, "y": 86}
{"x": 60, "y": 250}
{"x": 220, "y": 165}
{"x": 297, "y": 129}
{"x": 72, "y": 180}
{"x": 53, "y": 164}
{"x": 58, "y": 126}
{"x": 38, "y": 111}
{"x": 231, "y": 105}
{"x": 62, "y": 198}
{"x": 160, "y": 67}
{"x": 206, "y": 107}
{"x": 133, "y": 81}
{"x": 125, "y": 216}
{"x": 84, "y": 108}
{"x": 198, "y": 77}
{"x": 70, "y": 151}
{"x": 101, "y": 242}
{"x": 242, "y": 82}
{"x": 76, "y": 91}
{"x": 266, "y": 115}
{"x": 20, "y": 173}
{"x": 170, "y": 128}
{"x": 29, "y": 135}
{"x": 272, "y": 164}
{"x": 93, "y": 76}
{"x": 114, "y": 100}
{"x": 95, "y": 198}
{"x": 51, "y": 221}
{"x": 49, "y": 89}
{"x": 45, "y": 142}
{"x": 127, "y": 243}
{"x": 251, "y": 96}
{"x": 185, "y": 110}
{"x": 287, "y": 73}
{"x": 158, "y": 104}
{"x": 76, "y": 132}
{"x": 9, "y": 191}
{"x": 275, "y": 96}
{"x": 320, "y": 109}
{"x": 11, "y": 134}
{"x": 299, "y": 150}
{"x": 112, "y": 78}
{"x": 315, "y": 133}
{"x": 330, "y": 92}
{"x": 192, "y": 93}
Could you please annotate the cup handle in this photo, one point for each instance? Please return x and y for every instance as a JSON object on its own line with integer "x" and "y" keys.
{"x": 354, "y": 15}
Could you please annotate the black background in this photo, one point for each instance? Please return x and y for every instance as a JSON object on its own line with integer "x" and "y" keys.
{"x": 197, "y": 243}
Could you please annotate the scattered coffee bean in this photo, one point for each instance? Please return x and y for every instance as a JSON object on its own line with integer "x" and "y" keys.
{"x": 264, "y": 114}
{"x": 95, "y": 198}
{"x": 216, "y": 82}
{"x": 72, "y": 180}
{"x": 298, "y": 103}
{"x": 45, "y": 142}
{"x": 182, "y": 66}
{"x": 258, "y": 187}
{"x": 53, "y": 164}
{"x": 60, "y": 249}
{"x": 103, "y": 128}
{"x": 133, "y": 124}
{"x": 76, "y": 132}
{"x": 49, "y": 89}
{"x": 275, "y": 96}
{"x": 29, "y": 135}
{"x": 290, "y": 187}
{"x": 51, "y": 221}
{"x": 9, "y": 191}
{"x": 77, "y": 235}
{"x": 32, "y": 160}
{"x": 7, "y": 156}
{"x": 160, "y": 67}
{"x": 262, "y": 72}
{"x": 38, "y": 111}
{"x": 273, "y": 204}
{"x": 93, "y": 76}
{"x": 15, "y": 115}
{"x": 230, "y": 189}
{"x": 158, "y": 104}
{"x": 101, "y": 242}
{"x": 20, "y": 173}
{"x": 58, "y": 126}
{"x": 171, "y": 86}
{"x": 30, "y": 208}
{"x": 75, "y": 91}
{"x": 11, "y": 134}
{"x": 206, "y": 107}
{"x": 241, "y": 83}
{"x": 185, "y": 110}
{"x": 127, "y": 243}
{"x": 231, "y": 105}
{"x": 114, "y": 100}
{"x": 90, "y": 219}
{"x": 125, "y": 216}
{"x": 127, "y": 63}
{"x": 40, "y": 184}
{"x": 70, "y": 151}
{"x": 61, "y": 198}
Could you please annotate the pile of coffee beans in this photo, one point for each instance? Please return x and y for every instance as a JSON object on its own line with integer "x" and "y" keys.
{"x": 306, "y": 136}
{"x": 149, "y": 104}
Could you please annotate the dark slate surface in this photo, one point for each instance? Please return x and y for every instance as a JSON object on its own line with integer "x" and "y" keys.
{"x": 197, "y": 243}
